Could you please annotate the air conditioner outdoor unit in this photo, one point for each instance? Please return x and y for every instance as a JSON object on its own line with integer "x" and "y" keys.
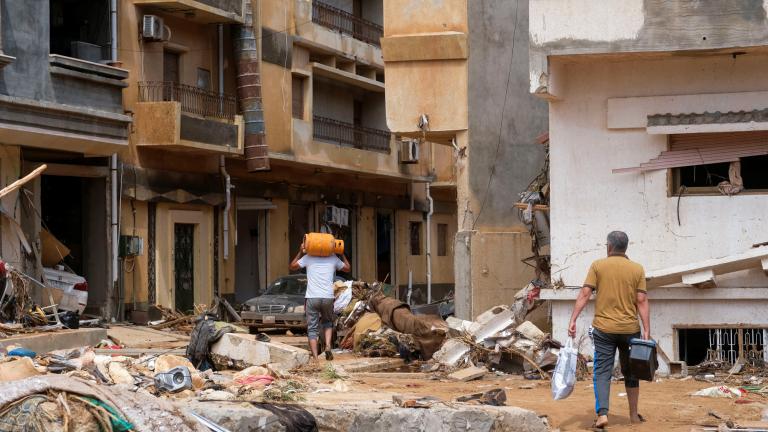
{"x": 409, "y": 151}
{"x": 153, "y": 28}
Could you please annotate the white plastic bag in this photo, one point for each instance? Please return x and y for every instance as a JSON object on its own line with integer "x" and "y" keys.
{"x": 564, "y": 377}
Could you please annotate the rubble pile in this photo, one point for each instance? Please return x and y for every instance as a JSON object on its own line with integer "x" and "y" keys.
{"x": 501, "y": 339}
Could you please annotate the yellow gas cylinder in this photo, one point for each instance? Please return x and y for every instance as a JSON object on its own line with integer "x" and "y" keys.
{"x": 322, "y": 244}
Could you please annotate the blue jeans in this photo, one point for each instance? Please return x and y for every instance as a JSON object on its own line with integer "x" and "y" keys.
{"x": 319, "y": 314}
{"x": 606, "y": 345}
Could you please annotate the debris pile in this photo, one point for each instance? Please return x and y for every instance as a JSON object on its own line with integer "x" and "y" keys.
{"x": 501, "y": 339}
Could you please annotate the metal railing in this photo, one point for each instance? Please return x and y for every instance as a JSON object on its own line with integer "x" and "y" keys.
{"x": 345, "y": 22}
{"x": 193, "y": 100}
{"x": 350, "y": 135}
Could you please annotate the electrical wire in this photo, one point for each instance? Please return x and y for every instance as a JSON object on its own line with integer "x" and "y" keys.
{"x": 501, "y": 121}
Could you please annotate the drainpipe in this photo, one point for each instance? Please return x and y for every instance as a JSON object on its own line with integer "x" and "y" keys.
{"x": 114, "y": 218}
{"x": 113, "y": 25}
{"x": 227, "y": 191}
{"x": 249, "y": 94}
{"x": 429, "y": 244}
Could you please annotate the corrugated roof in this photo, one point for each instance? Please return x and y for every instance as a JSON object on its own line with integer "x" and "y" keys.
{"x": 716, "y": 117}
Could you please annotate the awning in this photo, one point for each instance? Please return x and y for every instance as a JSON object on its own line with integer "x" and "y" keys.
{"x": 705, "y": 148}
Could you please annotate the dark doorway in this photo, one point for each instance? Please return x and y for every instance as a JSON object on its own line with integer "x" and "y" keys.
{"x": 184, "y": 266}
{"x": 298, "y": 225}
{"x": 247, "y": 277}
{"x": 384, "y": 228}
{"x": 74, "y": 210}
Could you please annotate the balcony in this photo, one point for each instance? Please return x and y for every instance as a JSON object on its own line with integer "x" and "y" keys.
{"x": 184, "y": 117}
{"x": 346, "y": 134}
{"x": 345, "y": 22}
{"x": 201, "y": 11}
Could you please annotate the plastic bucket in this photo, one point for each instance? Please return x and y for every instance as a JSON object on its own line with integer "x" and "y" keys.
{"x": 642, "y": 359}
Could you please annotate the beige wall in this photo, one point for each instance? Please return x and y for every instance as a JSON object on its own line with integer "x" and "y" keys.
{"x": 10, "y": 171}
{"x": 278, "y": 254}
{"x": 366, "y": 244}
{"x": 442, "y": 266}
{"x": 135, "y": 270}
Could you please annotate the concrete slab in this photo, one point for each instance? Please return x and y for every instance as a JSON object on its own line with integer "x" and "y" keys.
{"x": 468, "y": 374}
{"x": 457, "y": 417}
{"x": 44, "y": 342}
{"x": 243, "y": 350}
{"x": 370, "y": 364}
{"x": 235, "y": 416}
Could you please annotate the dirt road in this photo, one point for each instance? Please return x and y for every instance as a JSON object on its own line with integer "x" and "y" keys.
{"x": 666, "y": 405}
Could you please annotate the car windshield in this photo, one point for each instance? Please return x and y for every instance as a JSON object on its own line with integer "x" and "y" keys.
{"x": 288, "y": 286}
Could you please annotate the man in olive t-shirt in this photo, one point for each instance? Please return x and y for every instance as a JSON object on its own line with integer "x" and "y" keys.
{"x": 619, "y": 284}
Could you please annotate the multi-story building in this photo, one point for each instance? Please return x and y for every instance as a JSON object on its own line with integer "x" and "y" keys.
{"x": 61, "y": 104}
{"x": 331, "y": 154}
{"x": 176, "y": 244}
{"x": 286, "y": 100}
{"x": 463, "y": 64}
{"x": 657, "y": 128}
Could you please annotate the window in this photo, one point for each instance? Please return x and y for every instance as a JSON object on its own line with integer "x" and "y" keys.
{"x": 80, "y": 29}
{"x": 442, "y": 241}
{"x": 415, "y": 230}
{"x": 723, "y": 162}
{"x": 297, "y": 95}
{"x": 752, "y": 170}
{"x": 203, "y": 78}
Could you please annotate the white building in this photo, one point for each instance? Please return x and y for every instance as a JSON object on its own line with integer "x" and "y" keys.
{"x": 677, "y": 92}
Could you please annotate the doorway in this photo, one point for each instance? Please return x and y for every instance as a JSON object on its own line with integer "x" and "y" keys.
{"x": 248, "y": 272}
{"x": 184, "y": 266}
{"x": 74, "y": 210}
{"x": 384, "y": 240}
{"x": 171, "y": 75}
{"x": 298, "y": 225}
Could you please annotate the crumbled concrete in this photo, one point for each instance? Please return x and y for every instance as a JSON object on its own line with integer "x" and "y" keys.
{"x": 452, "y": 351}
{"x": 438, "y": 418}
{"x": 243, "y": 350}
{"x": 236, "y": 416}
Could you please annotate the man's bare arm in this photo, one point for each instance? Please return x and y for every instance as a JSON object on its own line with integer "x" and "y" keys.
{"x": 581, "y": 303}
{"x": 347, "y": 266}
{"x": 644, "y": 308}
{"x": 295, "y": 263}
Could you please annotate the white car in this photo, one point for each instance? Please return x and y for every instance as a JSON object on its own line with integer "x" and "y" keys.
{"x": 73, "y": 287}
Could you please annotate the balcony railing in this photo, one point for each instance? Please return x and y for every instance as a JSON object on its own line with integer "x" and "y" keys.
{"x": 193, "y": 100}
{"x": 350, "y": 135}
{"x": 345, "y": 22}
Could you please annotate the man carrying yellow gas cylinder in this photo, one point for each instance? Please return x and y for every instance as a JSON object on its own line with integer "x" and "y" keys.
{"x": 319, "y": 254}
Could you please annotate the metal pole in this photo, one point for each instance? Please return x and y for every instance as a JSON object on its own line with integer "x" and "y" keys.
{"x": 429, "y": 244}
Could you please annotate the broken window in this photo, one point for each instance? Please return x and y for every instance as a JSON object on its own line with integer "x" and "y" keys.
{"x": 415, "y": 230}
{"x": 442, "y": 241}
{"x": 749, "y": 173}
{"x": 722, "y": 345}
{"x": 80, "y": 29}
{"x": 716, "y": 162}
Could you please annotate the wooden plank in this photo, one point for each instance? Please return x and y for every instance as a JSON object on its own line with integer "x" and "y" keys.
{"x": 22, "y": 181}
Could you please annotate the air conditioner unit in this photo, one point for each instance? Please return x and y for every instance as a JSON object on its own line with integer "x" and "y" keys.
{"x": 409, "y": 151}
{"x": 153, "y": 28}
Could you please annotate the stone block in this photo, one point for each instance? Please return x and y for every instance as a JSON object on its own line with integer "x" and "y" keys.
{"x": 243, "y": 350}
{"x": 468, "y": 374}
{"x": 42, "y": 343}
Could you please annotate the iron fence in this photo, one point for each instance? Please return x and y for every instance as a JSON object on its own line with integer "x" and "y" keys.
{"x": 193, "y": 100}
{"x": 345, "y": 22}
{"x": 350, "y": 135}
